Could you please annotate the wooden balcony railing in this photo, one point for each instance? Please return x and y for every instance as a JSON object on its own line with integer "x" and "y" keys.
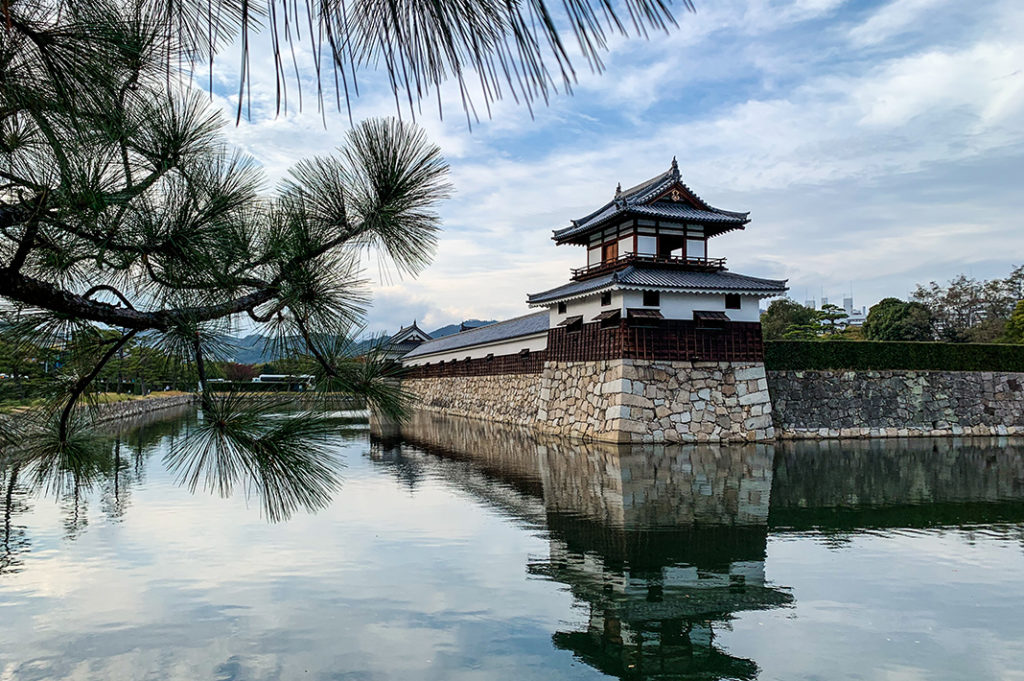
{"x": 710, "y": 264}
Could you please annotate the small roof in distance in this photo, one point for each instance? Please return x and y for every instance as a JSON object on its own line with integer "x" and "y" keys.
{"x": 642, "y": 313}
{"x": 409, "y": 333}
{"x": 526, "y": 325}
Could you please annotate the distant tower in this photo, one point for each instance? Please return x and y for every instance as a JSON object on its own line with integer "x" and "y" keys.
{"x": 848, "y": 305}
{"x": 824, "y": 301}
{"x": 810, "y": 302}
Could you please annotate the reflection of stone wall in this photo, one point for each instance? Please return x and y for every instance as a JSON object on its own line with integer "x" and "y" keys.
{"x": 508, "y": 449}
{"x": 890, "y": 473}
{"x": 819, "y": 404}
{"x": 508, "y": 398}
{"x": 659, "y": 486}
{"x": 653, "y": 401}
{"x": 612, "y": 485}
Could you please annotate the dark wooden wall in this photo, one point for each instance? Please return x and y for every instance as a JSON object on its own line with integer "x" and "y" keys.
{"x": 670, "y": 340}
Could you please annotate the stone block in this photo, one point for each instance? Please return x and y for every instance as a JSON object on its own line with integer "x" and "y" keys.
{"x": 634, "y": 427}
{"x": 754, "y": 398}
{"x": 618, "y": 411}
{"x": 619, "y": 385}
{"x": 632, "y": 400}
{"x": 750, "y": 373}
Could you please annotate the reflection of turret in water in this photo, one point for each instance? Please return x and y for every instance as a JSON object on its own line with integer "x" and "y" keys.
{"x": 654, "y": 606}
{"x": 662, "y": 545}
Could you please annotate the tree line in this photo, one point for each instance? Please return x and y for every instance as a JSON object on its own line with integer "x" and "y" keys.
{"x": 965, "y": 310}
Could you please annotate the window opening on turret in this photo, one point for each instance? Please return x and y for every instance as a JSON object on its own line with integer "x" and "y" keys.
{"x": 573, "y": 324}
{"x": 609, "y": 319}
{"x": 652, "y": 298}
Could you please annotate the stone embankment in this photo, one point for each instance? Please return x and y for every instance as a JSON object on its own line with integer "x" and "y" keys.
{"x": 660, "y": 401}
{"x": 507, "y": 398}
{"x": 131, "y": 409}
{"x": 851, "y": 404}
{"x": 656, "y": 401}
{"x": 621, "y": 400}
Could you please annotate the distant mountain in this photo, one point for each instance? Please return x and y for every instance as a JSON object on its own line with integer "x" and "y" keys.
{"x": 455, "y": 328}
{"x": 251, "y": 349}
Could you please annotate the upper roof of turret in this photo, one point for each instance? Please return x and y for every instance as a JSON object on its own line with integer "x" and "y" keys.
{"x": 664, "y": 197}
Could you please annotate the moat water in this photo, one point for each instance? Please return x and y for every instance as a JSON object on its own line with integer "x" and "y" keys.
{"x": 457, "y": 550}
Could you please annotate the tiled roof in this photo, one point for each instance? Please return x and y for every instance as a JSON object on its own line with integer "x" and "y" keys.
{"x": 682, "y": 211}
{"x": 637, "y": 200}
{"x": 526, "y": 325}
{"x": 684, "y": 280}
{"x": 401, "y": 334}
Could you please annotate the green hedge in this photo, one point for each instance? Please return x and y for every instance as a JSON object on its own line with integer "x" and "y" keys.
{"x": 809, "y": 355}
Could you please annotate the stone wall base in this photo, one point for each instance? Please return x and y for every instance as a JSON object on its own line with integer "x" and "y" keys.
{"x": 893, "y": 403}
{"x": 622, "y": 400}
{"x": 631, "y": 400}
{"x": 865, "y": 432}
{"x": 506, "y": 398}
{"x": 129, "y": 409}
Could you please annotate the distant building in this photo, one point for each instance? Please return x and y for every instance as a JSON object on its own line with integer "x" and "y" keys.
{"x": 855, "y": 316}
{"x": 405, "y": 340}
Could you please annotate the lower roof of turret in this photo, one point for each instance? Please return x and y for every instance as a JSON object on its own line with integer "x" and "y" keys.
{"x": 684, "y": 281}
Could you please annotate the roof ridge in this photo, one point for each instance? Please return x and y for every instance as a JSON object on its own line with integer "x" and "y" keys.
{"x": 488, "y": 326}
{"x": 522, "y": 325}
{"x": 637, "y": 188}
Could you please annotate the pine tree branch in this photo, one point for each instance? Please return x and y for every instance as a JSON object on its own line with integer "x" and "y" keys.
{"x": 83, "y": 383}
{"x": 109, "y": 289}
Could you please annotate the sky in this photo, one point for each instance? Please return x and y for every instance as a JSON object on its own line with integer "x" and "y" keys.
{"x": 876, "y": 144}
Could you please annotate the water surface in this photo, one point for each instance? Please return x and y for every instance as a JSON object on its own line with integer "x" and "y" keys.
{"x": 461, "y": 550}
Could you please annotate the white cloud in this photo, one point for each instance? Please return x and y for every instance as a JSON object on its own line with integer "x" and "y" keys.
{"x": 780, "y": 108}
{"x": 893, "y": 19}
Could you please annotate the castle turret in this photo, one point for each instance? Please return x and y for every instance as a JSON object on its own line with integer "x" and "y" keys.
{"x": 651, "y": 340}
{"x": 648, "y": 259}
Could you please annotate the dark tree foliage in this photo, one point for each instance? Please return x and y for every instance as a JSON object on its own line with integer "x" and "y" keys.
{"x": 797, "y": 355}
{"x": 782, "y": 314}
{"x": 892, "y": 319}
{"x": 968, "y": 310}
{"x": 1015, "y": 325}
{"x": 233, "y": 371}
{"x": 126, "y": 219}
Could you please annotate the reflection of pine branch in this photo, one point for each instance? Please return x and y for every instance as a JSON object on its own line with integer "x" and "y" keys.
{"x": 282, "y": 459}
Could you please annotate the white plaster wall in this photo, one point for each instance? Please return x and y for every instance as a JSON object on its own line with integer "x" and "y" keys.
{"x": 682, "y": 305}
{"x": 511, "y": 346}
{"x": 673, "y": 306}
{"x": 589, "y": 307}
